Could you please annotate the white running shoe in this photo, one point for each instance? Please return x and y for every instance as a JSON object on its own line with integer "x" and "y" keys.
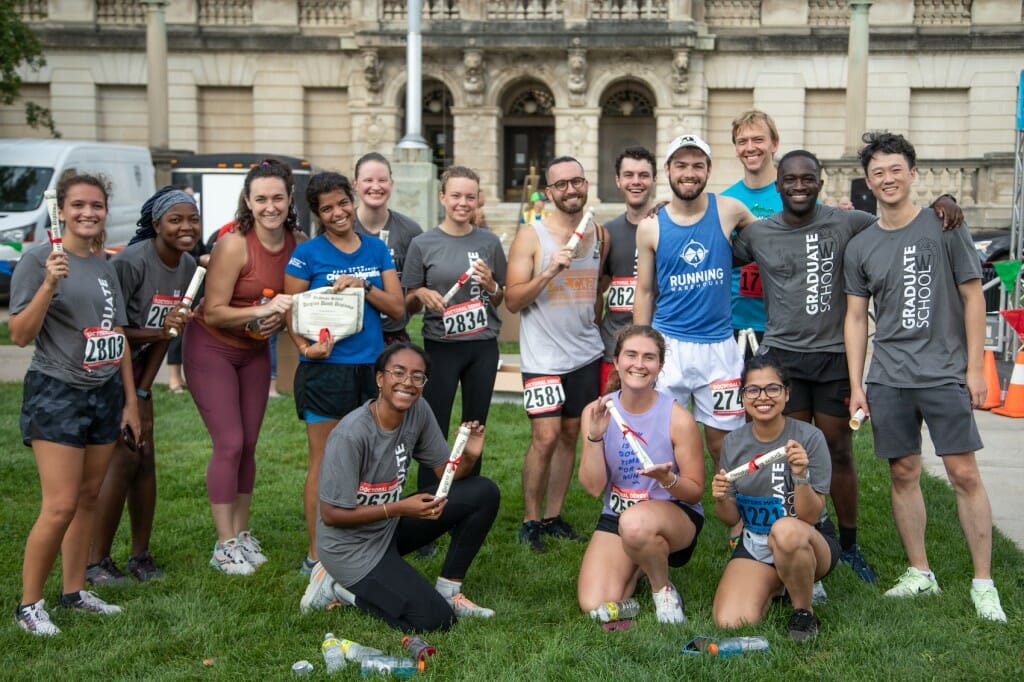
{"x": 986, "y": 603}
{"x": 251, "y": 549}
{"x": 228, "y": 558}
{"x": 914, "y": 583}
{"x": 464, "y": 608}
{"x": 34, "y": 620}
{"x": 668, "y": 605}
{"x": 90, "y": 601}
{"x": 319, "y": 594}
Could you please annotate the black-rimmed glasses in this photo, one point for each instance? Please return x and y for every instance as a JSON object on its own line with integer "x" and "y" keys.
{"x": 753, "y": 392}
{"x": 561, "y": 185}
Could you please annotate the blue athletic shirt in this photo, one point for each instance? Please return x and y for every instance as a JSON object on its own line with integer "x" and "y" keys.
{"x": 319, "y": 262}
{"x": 748, "y": 303}
{"x": 692, "y": 263}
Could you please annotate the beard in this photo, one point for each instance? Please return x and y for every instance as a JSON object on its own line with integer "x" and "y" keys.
{"x": 689, "y": 195}
{"x": 561, "y": 205}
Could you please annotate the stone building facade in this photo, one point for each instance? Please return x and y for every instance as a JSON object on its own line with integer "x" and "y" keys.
{"x": 511, "y": 83}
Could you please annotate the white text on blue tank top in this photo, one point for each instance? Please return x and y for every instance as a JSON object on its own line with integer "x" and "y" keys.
{"x": 108, "y": 304}
{"x": 360, "y": 271}
{"x": 821, "y": 264}
{"x": 918, "y": 264}
{"x": 693, "y": 254}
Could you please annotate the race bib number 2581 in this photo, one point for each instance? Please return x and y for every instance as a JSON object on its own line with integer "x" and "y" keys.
{"x": 543, "y": 394}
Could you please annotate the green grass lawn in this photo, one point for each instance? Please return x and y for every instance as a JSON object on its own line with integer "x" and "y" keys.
{"x": 251, "y": 627}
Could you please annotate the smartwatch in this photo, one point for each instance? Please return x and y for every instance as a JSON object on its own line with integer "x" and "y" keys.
{"x": 145, "y": 395}
{"x": 367, "y": 285}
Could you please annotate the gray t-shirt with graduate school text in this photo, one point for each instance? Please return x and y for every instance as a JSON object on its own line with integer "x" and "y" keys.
{"x": 150, "y": 288}
{"x": 802, "y": 276}
{"x": 620, "y": 267}
{"x": 77, "y": 343}
{"x": 436, "y": 260}
{"x": 365, "y": 465}
{"x": 913, "y": 273}
{"x": 398, "y": 232}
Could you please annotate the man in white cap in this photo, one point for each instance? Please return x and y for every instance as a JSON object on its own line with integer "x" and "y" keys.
{"x": 684, "y": 253}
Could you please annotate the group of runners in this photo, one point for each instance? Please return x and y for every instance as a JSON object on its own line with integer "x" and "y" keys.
{"x": 622, "y": 327}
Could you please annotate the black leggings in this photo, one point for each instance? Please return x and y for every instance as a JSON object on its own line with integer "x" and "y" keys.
{"x": 471, "y": 363}
{"x": 396, "y": 592}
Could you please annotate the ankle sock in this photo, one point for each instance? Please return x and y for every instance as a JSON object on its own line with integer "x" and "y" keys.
{"x": 982, "y": 582}
{"x": 447, "y": 588}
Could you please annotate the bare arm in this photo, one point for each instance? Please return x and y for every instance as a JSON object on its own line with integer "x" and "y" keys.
{"x": 646, "y": 245}
{"x": 226, "y": 263}
{"x": 25, "y": 325}
{"x": 522, "y": 286}
{"x": 593, "y": 474}
{"x": 689, "y": 455}
{"x": 388, "y": 300}
{"x": 734, "y": 215}
{"x": 855, "y": 332}
{"x": 974, "y": 323}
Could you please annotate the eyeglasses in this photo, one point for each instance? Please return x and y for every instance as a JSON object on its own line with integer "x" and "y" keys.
{"x": 752, "y": 392}
{"x": 400, "y": 374}
{"x": 576, "y": 183}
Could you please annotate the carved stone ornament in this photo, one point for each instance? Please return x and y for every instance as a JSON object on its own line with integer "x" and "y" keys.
{"x": 372, "y": 71}
{"x": 577, "y": 76}
{"x": 475, "y": 82}
{"x": 681, "y": 70}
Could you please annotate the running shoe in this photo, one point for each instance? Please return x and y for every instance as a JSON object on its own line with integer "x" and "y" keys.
{"x": 143, "y": 568}
{"x": 914, "y": 583}
{"x": 319, "y": 594}
{"x": 529, "y": 533}
{"x": 105, "y": 572}
{"x": 668, "y": 605}
{"x": 250, "y": 547}
{"x": 306, "y": 568}
{"x": 34, "y": 619}
{"x": 464, "y": 608}
{"x": 88, "y": 601}
{"x": 855, "y": 560}
{"x": 986, "y": 602}
{"x": 228, "y": 558}
{"x": 803, "y": 625}
{"x": 560, "y": 528}
{"x": 818, "y": 594}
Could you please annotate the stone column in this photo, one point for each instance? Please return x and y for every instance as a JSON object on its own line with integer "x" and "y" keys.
{"x": 156, "y": 72}
{"x": 857, "y": 75}
{"x": 477, "y": 139}
{"x": 576, "y": 133}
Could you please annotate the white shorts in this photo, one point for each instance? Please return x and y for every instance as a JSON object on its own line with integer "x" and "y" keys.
{"x": 710, "y": 374}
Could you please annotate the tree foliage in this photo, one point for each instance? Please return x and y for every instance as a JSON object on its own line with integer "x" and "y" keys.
{"x": 20, "y": 47}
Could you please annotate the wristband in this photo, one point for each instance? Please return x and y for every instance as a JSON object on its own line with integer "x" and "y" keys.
{"x": 806, "y": 480}
{"x": 595, "y": 440}
{"x": 496, "y": 290}
{"x": 145, "y": 395}
{"x": 670, "y": 485}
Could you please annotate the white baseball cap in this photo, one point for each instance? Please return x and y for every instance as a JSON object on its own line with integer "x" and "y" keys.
{"x": 687, "y": 140}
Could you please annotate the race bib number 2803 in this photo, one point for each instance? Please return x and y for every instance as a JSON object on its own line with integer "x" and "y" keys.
{"x": 102, "y": 347}
{"x": 543, "y": 394}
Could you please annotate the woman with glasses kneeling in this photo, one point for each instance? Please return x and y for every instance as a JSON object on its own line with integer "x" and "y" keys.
{"x": 366, "y": 526}
{"x": 788, "y": 540}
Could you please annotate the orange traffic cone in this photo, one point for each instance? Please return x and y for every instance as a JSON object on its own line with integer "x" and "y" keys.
{"x": 1014, "y": 406}
{"x": 993, "y": 398}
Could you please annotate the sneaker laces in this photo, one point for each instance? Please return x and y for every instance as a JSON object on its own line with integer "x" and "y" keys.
{"x": 668, "y": 605}
{"x": 92, "y": 602}
{"x": 462, "y": 606}
{"x": 987, "y": 604}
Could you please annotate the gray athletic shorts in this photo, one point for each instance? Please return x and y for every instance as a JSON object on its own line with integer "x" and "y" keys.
{"x": 55, "y": 412}
{"x": 896, "y": 415}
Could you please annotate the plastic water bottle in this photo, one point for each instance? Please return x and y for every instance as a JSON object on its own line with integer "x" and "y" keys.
{"x": 252, "y": 327}
{"x": 733, "y": 646}
{"x": 388, "y": 665}
{"x": 626, "y": 609}
{"x": 357, "y": 652}
{"x": 334, "y": 655}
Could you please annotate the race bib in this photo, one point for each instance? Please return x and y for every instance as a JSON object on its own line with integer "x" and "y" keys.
{"x": 757, "y": 545}
{"x": 463, "y": 319}
{"x": 726, "y": 396}
{"x": 379, "y": 493}
{"x": 621, "y": 499}
{"x": 102, "y": 347}
{"x": 159, "y": 307}
{"x": 750, "y": 281}
{"x": 543, "y": 394}
{"x": 620, "y": 294}
{"x": 759, "y": 513}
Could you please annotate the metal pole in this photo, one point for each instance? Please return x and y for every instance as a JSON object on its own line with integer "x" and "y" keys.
{"x": 857, "y": 75}
{"x": 414, "y": 84}
{"x": 156, "y": 67}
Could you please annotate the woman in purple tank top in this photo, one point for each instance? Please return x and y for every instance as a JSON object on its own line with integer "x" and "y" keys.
{"x": 652, "y": 515}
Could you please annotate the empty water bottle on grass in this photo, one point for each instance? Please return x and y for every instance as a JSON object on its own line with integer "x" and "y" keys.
{"x": 357, "y": 652}
{"x": 729, "y": 646}
{"x": 616, "y": 610}
{"x": 397, "y": 666}
{"x": 334, "y": 655}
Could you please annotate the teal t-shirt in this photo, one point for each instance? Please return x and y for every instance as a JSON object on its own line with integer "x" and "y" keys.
{"x": 747, "y": 293}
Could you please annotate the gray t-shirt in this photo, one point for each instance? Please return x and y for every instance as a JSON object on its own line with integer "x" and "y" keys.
{"x": 913, "y": 274}
{"x": 767, "y": 494}
{"x": 401, "y": 230}
{"x": 150, "y": 288}
{"x": 620, "y": 266}
{"x": 365, "y": 465}
{"x": 802, "y": 275}
{"x": 77, "y": 343}
{"x": 436, "y": 260}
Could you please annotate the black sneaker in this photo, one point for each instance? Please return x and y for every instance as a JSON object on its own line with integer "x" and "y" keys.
{"x": 559, "y": 527}
{"x": 529, "y": 533}
{"x": 803, "y": 625}
{"x": 105, "y": 572}
{"x": 142, "y": 567}
{"x": 855, "y": 560}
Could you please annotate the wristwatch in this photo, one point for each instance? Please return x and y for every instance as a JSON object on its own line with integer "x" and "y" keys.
{"x": 806, "y": 480}
{"x": 145, "y": 395}
{"x": 367, "y": 285}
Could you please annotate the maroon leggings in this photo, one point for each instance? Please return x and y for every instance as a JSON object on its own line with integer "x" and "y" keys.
{"x": 230, "y": 387}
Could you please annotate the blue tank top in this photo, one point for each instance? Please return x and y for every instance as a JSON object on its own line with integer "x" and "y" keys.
{"x": 693, "y": 265}
{"x": 625, "y": 486}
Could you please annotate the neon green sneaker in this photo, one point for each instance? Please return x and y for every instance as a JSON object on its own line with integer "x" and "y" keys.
{"x": 914, "y": 583}
{"x": 986, "y": 602}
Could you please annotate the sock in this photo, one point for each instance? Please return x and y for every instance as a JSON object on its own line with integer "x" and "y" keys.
{"x": 927, "y": 574}
{"x": 847, "y": 537}
{"x": 982, "y": 582}
{"x": 447, "y": 588}
{"x": 70, "y": 598}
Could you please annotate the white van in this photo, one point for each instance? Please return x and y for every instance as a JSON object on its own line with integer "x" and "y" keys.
{"x": 29, "y": 167}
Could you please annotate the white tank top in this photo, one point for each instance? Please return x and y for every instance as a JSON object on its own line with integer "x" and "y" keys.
{"x": 557, "y": 331}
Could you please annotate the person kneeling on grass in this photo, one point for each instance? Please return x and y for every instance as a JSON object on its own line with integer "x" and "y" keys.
{"x": 788, "y": 541}
{"x": 651, "y": 516}
{"x": 365, "y": 526}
